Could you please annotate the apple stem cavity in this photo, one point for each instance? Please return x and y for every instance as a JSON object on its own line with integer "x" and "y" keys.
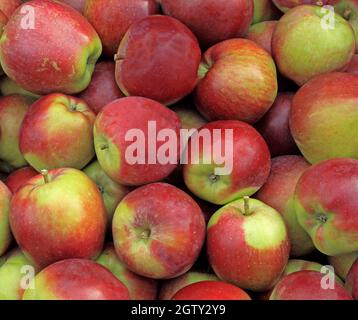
{"x": 203, "y": 70}
{"x": 44, "y": 173}
{"x": 247, "y": 206}
{"x": 214, "y": 178}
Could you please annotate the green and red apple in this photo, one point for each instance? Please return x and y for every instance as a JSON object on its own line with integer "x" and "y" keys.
{"x": 264, "y": 10}
{"x": 5, "y": 232}
{"x": 352, "y": 280}
{"x": 342, "y": 263}
{"x": 9, "y": 87}
{"x": 19, "y": 177}
{"x": 261, "y": 33}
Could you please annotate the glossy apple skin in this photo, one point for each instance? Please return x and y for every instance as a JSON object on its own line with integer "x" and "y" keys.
{"x": 261, "y": 33}
{"x": 278, "y": 192}
{"x": 61, "y": 219}
{"x": 326, "y": 102}
{"x": 306, "y": 285}
{"x": 342, "y": 263}
{"x": 9, "y": 6}
{"x": 212, "y": 21}
{"x": 353, "y": 65}
{"x": 170, "y": 287}
{"x": 64, "y": 62}
{"x": 238, "y": 81}
{"x": 79, "y": 5}
{"x": 158, "y": 231}
{"x": 19, "y": 177}
{"x": 112, "y": 18}
{"x": 211, "y": 290}
{"x": 165, "y": 73}
{"x": 76, "y": 279}
{"x": 262, "y": 259}
{"x": 352, "y": 280}
{"x": 103, "y": 88}
{"x": 285, "y": 5}
{"x": 139, "y": 288}
{"x": 5, "y": 232}
{"x": 110, "y": 129}
{"x": 251, "y": 163}
{"x": 326, "y": 205}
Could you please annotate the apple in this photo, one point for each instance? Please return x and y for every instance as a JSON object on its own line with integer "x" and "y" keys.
{"x": 261, "y": 33}
{"x": 3, "y": 21}
{"x": 353, "y": 65}
{"x": 227, "y": 73}
{"x": 139, "y": 288}
{"x": 58, "y": 215}
{"x": 165, "y": 73}
{"x": 304, "y": 44}
{"x": 19, "y": 177}
{"x": 265, "y": 10}
{"x": 324, "y": 117}
{"x": 352, "y": 280}
{"x": 211, "y": 290}
{"x": 285, "y": 5}
{"x": 247, "y": 244}
{"x": 55, "y": 54}
{"x": 115, "y": 152}
{"x": 170, "y": 287}
{"x": 5, "y": 232}
{"x": 76, "y": 279}
{"x": 307, "y": 285}
{"x": 103, "y": 88}
{"x": 112, "y": 18}
{"x": 343, "y": 263}
{"x": 9, "y": 87}
{"x": 295, "y": 265}
{"x": 278, "y": 192}
{"x": 275, "y": 128}
{"x": 212, "y": 21}
{"x": 9, "y": 6}
{"x": 158, "y": 231}
{"x": 57, "y": 132}
{"x": 190, "y": 118}
{"x": 326, "y": 205}
{"x": 12, "y": 112}
{"x": 246, "y": 162}
{"x": 79, "y": 5}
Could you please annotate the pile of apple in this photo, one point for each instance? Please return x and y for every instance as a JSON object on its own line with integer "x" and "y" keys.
{"x": 80, "y": 221}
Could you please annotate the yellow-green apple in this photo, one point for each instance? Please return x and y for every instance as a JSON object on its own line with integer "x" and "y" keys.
{"x": 79, "y": 5}
{"x": 125, "y": 138}
{"x": 112, "y": 192}
{"x": 76, "y": 279}
{"x": 247, "y": 244}
{"x": 165, "y": 73}
{"x": 12, "y": 112}
{"x": 57, "y": 132}
{"x": 305, "y": 45}
{"x": 238, "y": 81}
{"x": 19, "y": 177}
{"x": 342, "y": 263}
{"x": 103, "y": 88}
{"x": 9, "y": 87}
{"x": 261, "y": 33}
{"x": 307, "y": 285}
{"x": 212, "y": 21}
{"x": 352, "y": 280}
{"x": 265, "y": 10}
{"x": 285, "y": 5}
{"x": 324, "y": 117}
{"x": 243, "y": 169}
{"x": 5, "y": 232}
{"x": 170, "y": 287}
{"x": 139, "y": 288}
{"x": 9, "y": 6}
{"x": 326, "y": 205}
{"x": 275, "y": 128}
{"x": 112, "y": 18}
{"x": 211, "y": 290}
{"x": 353, "y": 65}
{"x": 52, "y": 48}
{"x": 58, "y": 215}
{"x": 158, "y": 231}
{"x": 279, "y": 191}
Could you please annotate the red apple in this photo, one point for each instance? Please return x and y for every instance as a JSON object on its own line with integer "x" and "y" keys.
{"x": 166, "y": 70}
{"x": 9, "y": 6}
{"x": 79, "y": 5}
{"x": 285, "y": 5}
{"x": 353, "y": 65}
{"x": 158, "y": 231}
{"x": 5, "y": 232}
{"x": 59, "y": 215}
{"x": 352, "y": 280}
{"x": 238, "y": 81}
{"x": 342, "y": 263}
{"x": 19, "y": 177}
{"x": 261, "y": 33}
{"x": 190, "y": 118}
{"x": 76, "y": 279}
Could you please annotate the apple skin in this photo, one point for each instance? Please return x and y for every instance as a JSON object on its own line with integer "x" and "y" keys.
{"x": 285, "y": 5}
{"x": 211, "y": 290}
{"x": 262, "y": 258}
{"x": 326, "y": 102}
{"x": 251, "y": 163}
{"x": 110, "y": 129}
{"x": 170, "y": 287}
{"x": 320, "y": 50}
{"x": 63, "y": 63}
{"x": 5, "y": 232}
{"x": 261, "y": 33}
{"x": 103, "y": 88}
{"x": 9, "y": 87}
{"x": 265, "y": 10}
{"x": 59, "y": 219}
{"x": 190, "y": 118}
{"x": 139, "y": 288}
{"x": 43, "y": 141}
{"x": 306, "y": 285}
{"x": 162, "y": 73}
{"x": 343, "y": 263}
{"x": 79, "y": 5}
{"x": 156, "y": 237}
{"x": 353, "y": 65}
{"x": 352, "y": 280}
{"x": 326, "y": 205}
{"x": 112, "y": 18}
{"x": 76, "y": 279}
{"x": 19, "y": 177}
{"x": 238, "y": 81}
{"x": 279, "y": 191}
{"x": 9, "y": 6}
{"x": 3, "y": 21}
{"x": 212, "y": 21}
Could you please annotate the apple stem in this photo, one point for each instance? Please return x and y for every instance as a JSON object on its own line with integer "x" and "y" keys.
{"x": 246, "y": 205}
{"x": 44, "y": 173}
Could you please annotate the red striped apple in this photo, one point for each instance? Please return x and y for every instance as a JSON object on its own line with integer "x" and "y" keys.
{"x": 342, "y": 263}
{"x": 5, "y": 232}
{"x": 261, "y": 33}
{"x": 19, "y": 177}
{"x": 352, "y": 280}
